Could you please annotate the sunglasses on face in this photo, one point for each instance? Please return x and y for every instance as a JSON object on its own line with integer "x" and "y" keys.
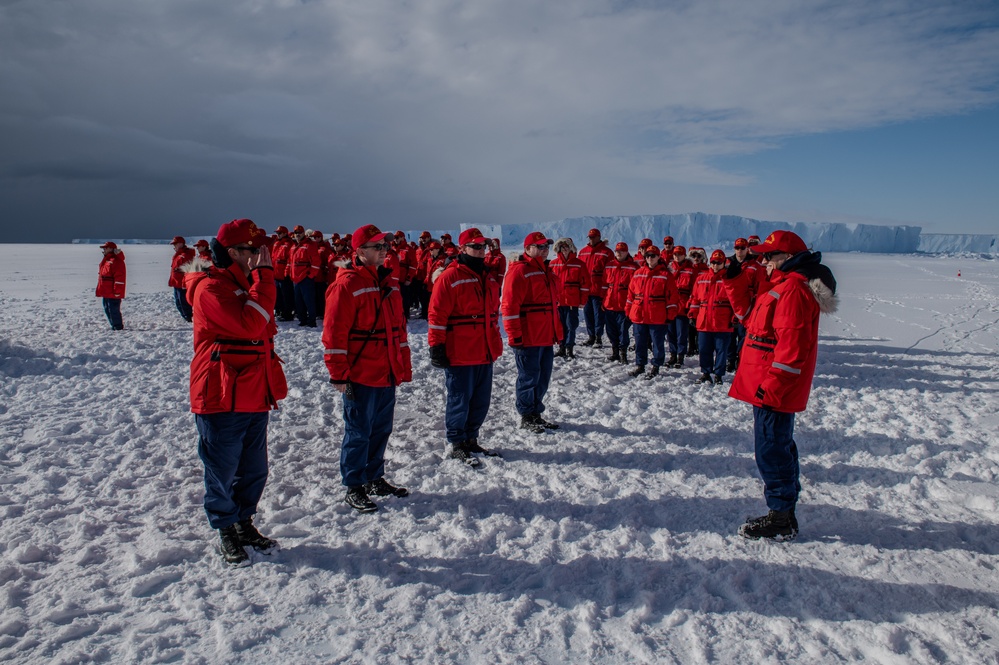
{"x": 650, "y": 255}
{"x": 378, "y": 246}
{"x": 771, "y": 255}
{"x": 475, "y": 245}
{"x": 244, "y": 248}
{"x": 717, "y": 263}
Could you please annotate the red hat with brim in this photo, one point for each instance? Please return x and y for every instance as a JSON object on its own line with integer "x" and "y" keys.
{"x": 717, "y": 255}
{"x": 472, "y": 235}
{"x": 621, "y": 247}
{"x": 594, "y": 233}
{"x": 109, "y": 245}
{"x": 240, "y": 232}
{"x": 536, "y": 238}
{"x": 680, "y": 249}
{"x": 781, "y": 241}
{"x": 668, "y": 240}
{"x": 652, "y": 249}
{"x": 365, "y": 234}
{"x": 741, "y": 243}
{"x": 177, "y": 239}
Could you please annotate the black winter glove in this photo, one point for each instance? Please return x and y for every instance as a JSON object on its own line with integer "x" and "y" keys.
{"x": 733, "y": 269}
{"x": 438, "y": 356}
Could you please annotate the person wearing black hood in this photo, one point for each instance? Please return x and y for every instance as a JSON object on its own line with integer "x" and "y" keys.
{"x": 777, "y": 366}
{"x": 464, "y": 338}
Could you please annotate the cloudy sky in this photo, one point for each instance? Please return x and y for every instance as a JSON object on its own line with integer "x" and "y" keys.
{"x": 146, "y": 118}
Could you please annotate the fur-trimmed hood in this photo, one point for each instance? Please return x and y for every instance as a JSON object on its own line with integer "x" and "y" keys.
{"x": 197, "y": 264}
{"x": 564, "y": 243}
{"x": 821, "y": 281}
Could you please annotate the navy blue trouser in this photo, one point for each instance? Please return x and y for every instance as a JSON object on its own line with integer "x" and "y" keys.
{"x": 305, "y": 301}
{"x": 233, "y": 447}
{"x": 777, "y": 457}
{"x": 713, "y": 350}
{"x": 184, "y": 307}
{"x": 286, "y": 289}
{"x": 570, "y": 321}
{"x": 367, "y": 424}
{"x": 677, "y": 331}
{"x": 534, "y": 373}
{"x": 618, "y": 325}
{"x": 593, "y": 314}
{"x": 643, "y": 331}
{"x": 735, "y": 344}
{"x": 112, "y": 309}
{"x": 469, "y": 390}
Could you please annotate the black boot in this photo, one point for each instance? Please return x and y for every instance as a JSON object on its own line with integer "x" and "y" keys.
{"x": 718, "y": 380}
{"x": 671, "y": 362}
{"x": 358, "y": 499}
{"x": 679, "y": 360}
{"x": 590, "y": 341}
{"x": 624, "y": 356}
{"x": 248, "y": 535}
{"x": 531, "y": 424}
{"x": 705, "y": 378}
{"x": 230, "y": 548}
{"x": 382, "y": 487}
{"x": 472, "y": 446}
{"x": 561, "y": 351}
{"x": 638, "y": 371}
{"x": 776, "y": 524}
{"x": 615, "y": 355}
{"x": 569, "y": 353}
{"x": 653, "y": 373}
{"x": 459, "y": 451}
{"x": 598, "y": 343}
{"x": 547, "y": 424}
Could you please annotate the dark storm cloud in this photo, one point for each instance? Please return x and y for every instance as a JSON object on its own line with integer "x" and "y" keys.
{"x": 429, "y": 114}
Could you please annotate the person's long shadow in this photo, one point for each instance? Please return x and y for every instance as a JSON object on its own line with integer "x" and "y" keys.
{"x": 656, "y": 587}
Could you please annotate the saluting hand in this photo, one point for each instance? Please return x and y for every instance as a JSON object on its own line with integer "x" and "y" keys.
{"x": 261, "y": 259}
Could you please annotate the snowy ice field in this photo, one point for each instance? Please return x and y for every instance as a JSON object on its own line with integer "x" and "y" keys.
{"x": 611, "y": 541}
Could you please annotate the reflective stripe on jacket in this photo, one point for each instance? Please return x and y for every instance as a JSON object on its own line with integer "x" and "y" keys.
{"x": 530, "y": 298}
{"x": 652, "y": 296}
{"x": 364, "y": 329}
{"x": 111, "y": 276}
{"x": 573, "y": 280}
{"x": 710, "y": 303}
{"x": 778, "y": 357}
{"x": 234, "y": 367}
{"x": 618, "y": 276}
{"x": 464, "y": 315}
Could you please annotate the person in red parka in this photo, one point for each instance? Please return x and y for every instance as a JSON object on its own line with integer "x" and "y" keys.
{"x": 304, "y": 269}
{"x": 778, "y": 363}
{"x": 182, "y": 254}
{"x": 204, "y": 253}
{"x": 322, "y": 280}
{"x": 111, "y": 283}
{"x": 236, "y": 379}
{"x": 596, "y": 255}
{"x": 754, "y": 275}
{"x": 573, "y": 292}
{"x": 464, "y": 337}
{"x": 711, "y": 306}
{"x": 367, "y": 355}
{"x": 617, "y": 278}
{"x": 700, "y": 262}
{"x": 496, "y": 261}
{"x": 678, "y": 329}
{"x": 653, "y": 301}
{"x": 530, "y": 298}
{"x": 281, "y": 256}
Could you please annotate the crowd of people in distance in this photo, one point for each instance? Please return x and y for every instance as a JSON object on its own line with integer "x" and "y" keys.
{"x": 754, "y": 312}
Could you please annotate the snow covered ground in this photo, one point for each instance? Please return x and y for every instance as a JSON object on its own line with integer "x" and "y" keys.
{"x": 611, "y": 541}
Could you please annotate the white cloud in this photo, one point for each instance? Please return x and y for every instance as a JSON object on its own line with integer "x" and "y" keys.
{"x": 552, "y": 105}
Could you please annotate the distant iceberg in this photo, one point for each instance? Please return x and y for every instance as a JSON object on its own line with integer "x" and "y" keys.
{"x": 717, "y": 231}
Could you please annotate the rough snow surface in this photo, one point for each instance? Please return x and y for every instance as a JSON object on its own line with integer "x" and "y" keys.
{"x": 611, "y": 541}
